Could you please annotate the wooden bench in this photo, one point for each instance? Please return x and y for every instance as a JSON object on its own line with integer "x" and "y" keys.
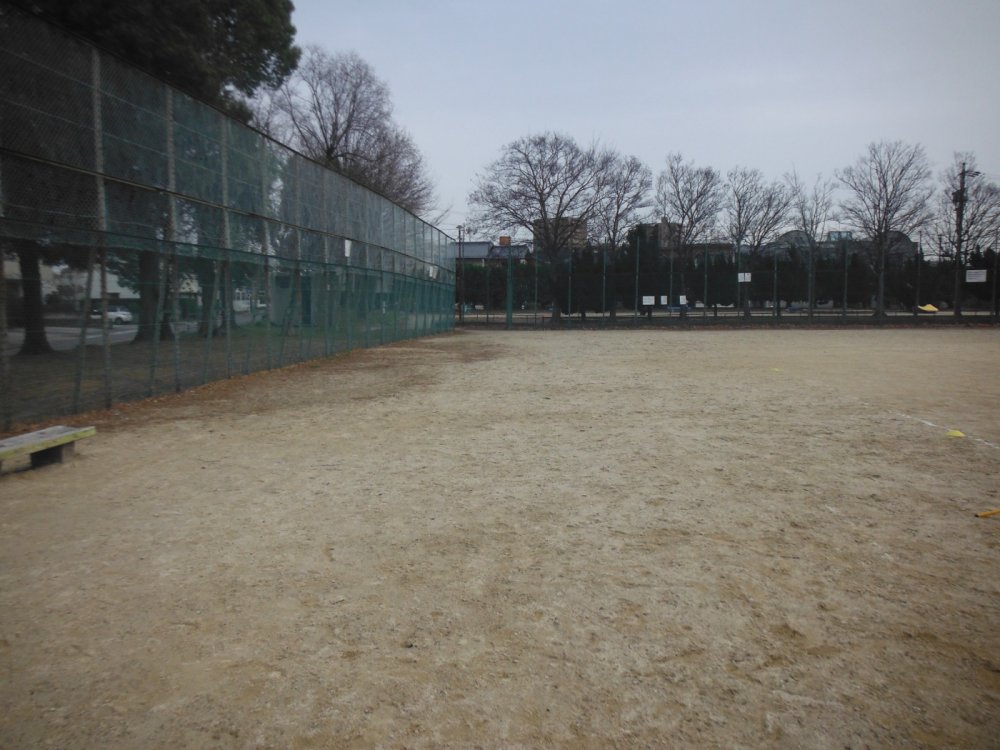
{"x": 53, "y": 445}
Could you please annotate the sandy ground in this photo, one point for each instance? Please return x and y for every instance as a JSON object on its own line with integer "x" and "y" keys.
{"x": 582, "y": 539}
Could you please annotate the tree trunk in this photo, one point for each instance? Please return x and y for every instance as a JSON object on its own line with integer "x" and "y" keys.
{"x": 206, "y": 280}
{"x": 150, "y": 286}
{"x": 554, "y": 296}
{"x": 149, "y": 273}
{"x": 35, "y": 341}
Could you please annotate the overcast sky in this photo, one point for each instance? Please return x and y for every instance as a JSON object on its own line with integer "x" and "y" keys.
{"x": 773, "y": 84}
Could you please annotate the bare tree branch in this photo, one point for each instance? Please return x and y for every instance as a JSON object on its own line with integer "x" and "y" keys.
{"x": 888, "y": 196}
{"x": 689, "y": 197}
{"x": 548, "y": 186}
{"x": 812, "y": 209}
{"x": 334, "y": 109}
{"x": 981, "y": 215}
{"x": 625, "y": 195}
{"x": 545, "y": 184}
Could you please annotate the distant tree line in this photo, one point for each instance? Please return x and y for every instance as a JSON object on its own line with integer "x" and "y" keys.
{"x": 712, "y": 227}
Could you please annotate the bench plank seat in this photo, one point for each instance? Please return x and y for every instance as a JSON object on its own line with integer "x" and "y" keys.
{"x": 46, "y": 446}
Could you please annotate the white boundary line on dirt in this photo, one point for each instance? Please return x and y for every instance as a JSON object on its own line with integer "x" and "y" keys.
{"x": 939, "y": 427}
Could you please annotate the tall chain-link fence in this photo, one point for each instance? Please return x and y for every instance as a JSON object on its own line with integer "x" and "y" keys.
{"x": 836, "y": 283}
{"x": 150, "y": 243}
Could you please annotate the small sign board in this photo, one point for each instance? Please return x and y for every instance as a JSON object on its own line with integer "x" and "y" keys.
{"x": 649, "y": 299}
{"x": 683, "y": 300}
{"x": 744, "y": 278}
{"x": 664, "y": 299}
{"x": 504, "y": 240}
{"x": 974, "y": 276}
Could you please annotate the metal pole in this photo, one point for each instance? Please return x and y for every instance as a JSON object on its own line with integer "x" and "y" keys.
{"x": 510, "y": 289}
{"x": 6, "y": 397}
{"x": 811, "y": 279}
{"x": 996, "y": 267}
{"x": 844, "y": 244}
{"x": 704, "y": 301}
{"x": 102, "y": 218}
{"x": 535, "y": 261}
{"x": 635, "y": 315}
{"x": 461, "y": 276}
{"x": 670, "y": 284}
{"x": 569, "y": 303}
{"x": 739, "y": 285}
{"x": 604, "y": 285}
{"x": 774, "y": 285}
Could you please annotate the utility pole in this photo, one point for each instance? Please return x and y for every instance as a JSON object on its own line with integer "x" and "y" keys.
{"x": 959, "y": 198}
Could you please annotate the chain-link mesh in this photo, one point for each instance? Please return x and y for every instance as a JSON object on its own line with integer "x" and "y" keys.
{"x": 835, "y": 283}
{"x": 150, "y": 243}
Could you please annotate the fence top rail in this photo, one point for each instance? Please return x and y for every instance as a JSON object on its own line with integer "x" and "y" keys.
{"x": 82, "y": 109}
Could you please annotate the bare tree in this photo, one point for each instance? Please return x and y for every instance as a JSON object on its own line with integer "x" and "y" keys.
{"x": 742, "y": 193}
{"x": 547, "y": 185}
{"x": 965, "y": 191}
{"x": 334, "y": 109}
{"x": 397, "y": 170}
{"x": 888, "y": 194}
{"x": 811, "y": 212}
{"x": 812, "y": 209}
{"x": 754, "y": 210}
{"x": 773, "y": 214}
{"x": 689, "y": 199}
{"x": 625, "y": 197}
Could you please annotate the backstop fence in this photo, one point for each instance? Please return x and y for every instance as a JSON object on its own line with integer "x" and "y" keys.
{"x": 151, "y": 243}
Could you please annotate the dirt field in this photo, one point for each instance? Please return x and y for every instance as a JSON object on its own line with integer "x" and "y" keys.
{"x": 583, "y": 539}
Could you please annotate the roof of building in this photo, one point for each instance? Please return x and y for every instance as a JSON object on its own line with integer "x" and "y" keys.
{"x": 474, "y": 250}
{"x": 484, "y": 250}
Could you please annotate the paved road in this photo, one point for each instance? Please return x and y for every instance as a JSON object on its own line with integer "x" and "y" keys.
{"x": 62, "y": 338}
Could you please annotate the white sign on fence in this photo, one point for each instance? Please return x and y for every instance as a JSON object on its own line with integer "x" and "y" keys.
{"x": 683, "y": 300}
{"x": 649, "y": 299}
{"x": 744, "y": 278}
{"x": 664, "y": 299}
{"x": 974, "y": 276}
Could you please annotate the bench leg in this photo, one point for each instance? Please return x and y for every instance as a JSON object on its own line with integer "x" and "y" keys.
{"x": 56, "y": 455}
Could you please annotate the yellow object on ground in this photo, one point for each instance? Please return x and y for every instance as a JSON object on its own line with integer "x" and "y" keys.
{"x": 956, "y": 433}
{"x": 988, "y": 513}
{"x": 927, "y": 308}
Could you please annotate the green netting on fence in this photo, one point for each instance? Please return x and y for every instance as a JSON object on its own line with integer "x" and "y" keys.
{"x": 228, "y": 252}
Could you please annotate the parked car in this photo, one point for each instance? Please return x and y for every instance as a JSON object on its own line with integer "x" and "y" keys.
{"x": 117, "y": 314}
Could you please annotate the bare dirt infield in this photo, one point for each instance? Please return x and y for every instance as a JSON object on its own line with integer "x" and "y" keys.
{"x": 583, "y": 539}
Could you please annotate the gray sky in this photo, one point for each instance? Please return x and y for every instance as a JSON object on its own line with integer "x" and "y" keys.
{"x": 773, "y": 84}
